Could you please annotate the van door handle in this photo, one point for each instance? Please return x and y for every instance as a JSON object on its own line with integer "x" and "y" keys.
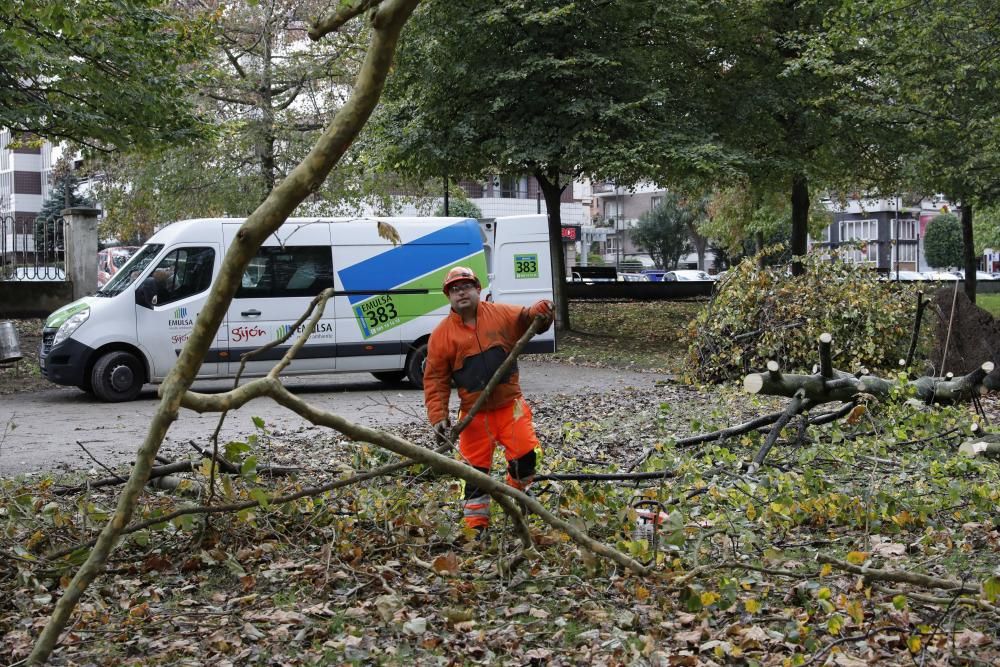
{"x": 250, "y": 313}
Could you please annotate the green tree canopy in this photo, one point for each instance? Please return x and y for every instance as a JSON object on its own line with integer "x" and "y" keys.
{"x": 930, "y": 73}
{"x": 987, "y": 229}
{"x": 103, "y": 73}
{"x": 63, "y": 194}
{"x": 664, "y": 231}
{"x": 268, "y": 92}
{"x": 550, "y": 88}
{"x": 460, "y": 207}
{"x": 780, "y": 108}
{"x": 943, "y": 241}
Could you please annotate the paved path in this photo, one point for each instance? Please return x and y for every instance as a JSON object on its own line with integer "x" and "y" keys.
{"x": 39, "y": 430}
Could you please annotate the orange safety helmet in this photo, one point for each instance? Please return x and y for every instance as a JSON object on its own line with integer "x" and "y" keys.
{"x": 457, "y": 275}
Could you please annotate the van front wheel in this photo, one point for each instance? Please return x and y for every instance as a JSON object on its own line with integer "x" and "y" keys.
{"x": 117, "y": 377}
{"x": 415, "y": 365}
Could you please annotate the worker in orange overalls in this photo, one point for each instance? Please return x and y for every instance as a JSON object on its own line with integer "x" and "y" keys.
{"x": 468, "y": 346}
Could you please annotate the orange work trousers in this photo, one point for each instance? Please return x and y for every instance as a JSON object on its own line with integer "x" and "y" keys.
{"x": 511, "y": 427}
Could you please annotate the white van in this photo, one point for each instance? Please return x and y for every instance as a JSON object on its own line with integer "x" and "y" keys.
{"x": 387, "y": 299}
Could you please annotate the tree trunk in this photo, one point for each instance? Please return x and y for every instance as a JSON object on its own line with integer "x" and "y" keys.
{"x": 700, "y": 244}
{"x": 842, "y": 386}
{"x": 968, "y": 251}
{"x": 800, "y": 221}
{"x": 386, "y": 19}
{"x": 552, "y": 192}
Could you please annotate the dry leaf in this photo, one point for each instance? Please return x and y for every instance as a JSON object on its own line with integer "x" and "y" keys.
{"x": 855, "y": 415}
{"x": 446, "y": 563}
{"x": 388, "y": 232}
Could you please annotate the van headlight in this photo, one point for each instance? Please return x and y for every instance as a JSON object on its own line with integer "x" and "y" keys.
{"x": 70, "y": 325}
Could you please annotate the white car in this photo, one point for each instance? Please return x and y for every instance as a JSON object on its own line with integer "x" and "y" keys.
{"x": 686, "y": 275}
{"x": 980, "y": 275}
{"x": 905, "y": 276}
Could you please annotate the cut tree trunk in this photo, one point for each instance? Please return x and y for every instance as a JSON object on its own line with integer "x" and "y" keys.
{"x": 828, "y": 384}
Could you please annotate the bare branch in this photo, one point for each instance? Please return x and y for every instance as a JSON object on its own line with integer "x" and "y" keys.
{"x": 332, "y": 22}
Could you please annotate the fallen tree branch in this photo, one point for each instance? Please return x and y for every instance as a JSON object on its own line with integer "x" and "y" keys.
{"x": 740, "y": 429}
{"x": 901, "y": 576}
{"x": 798, "y": 404}
{"x": 271, "y": 387}
{"x": 164, "y": 471}
{"x": 937, "y": 599}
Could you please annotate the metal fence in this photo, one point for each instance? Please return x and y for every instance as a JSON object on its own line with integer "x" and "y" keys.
{"x": 32, "y": 249}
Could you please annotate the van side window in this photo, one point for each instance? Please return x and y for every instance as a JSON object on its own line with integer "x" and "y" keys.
{"x": 182, "y": 273}
{"x": 285, "y": 272}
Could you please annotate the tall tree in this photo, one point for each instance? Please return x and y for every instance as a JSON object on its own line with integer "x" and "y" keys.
{"x": 930, "y": 71}
{"x": 664, "y": 232}
{"x": 63, "y": 194}
{"x": 551, "y": 88}
{"x": 267, "y": 91}
{"x": 779, "y": 107}
{"x": 103, "y": 73}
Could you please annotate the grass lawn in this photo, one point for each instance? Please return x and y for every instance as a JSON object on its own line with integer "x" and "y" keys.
{"x": 990, "y": 302}
{"x": 638, "y": 336}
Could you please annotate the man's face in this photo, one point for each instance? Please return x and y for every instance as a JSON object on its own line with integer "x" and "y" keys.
{"x": 463, "y": 295}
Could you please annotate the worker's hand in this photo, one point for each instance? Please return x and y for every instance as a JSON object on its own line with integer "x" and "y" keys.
{"x": 542, "y": 309}
{"x": 443, "y": 430}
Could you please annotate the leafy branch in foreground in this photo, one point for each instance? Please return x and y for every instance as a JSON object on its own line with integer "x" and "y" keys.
{"x": 386, "y": 21}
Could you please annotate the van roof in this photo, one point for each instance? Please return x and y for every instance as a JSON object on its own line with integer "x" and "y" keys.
{"x": 188, "y": 228}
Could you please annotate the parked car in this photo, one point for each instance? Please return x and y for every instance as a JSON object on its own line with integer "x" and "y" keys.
{"x": 980, "y": 275}
{"x": 654, "y": 275}
{"x": 633, "y": 277}
{"x": 904, "y": 276}
{"x": 686, "y": 274}
{"x": 110, "y": 260}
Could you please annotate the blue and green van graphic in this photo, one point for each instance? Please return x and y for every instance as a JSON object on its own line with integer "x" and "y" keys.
{"x": 402, "y": 283}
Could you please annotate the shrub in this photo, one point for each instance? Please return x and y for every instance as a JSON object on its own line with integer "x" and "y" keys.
{"x": 943, "y": 241}
{"x": 459, "y": 207}
{"x": 759, "y": 314}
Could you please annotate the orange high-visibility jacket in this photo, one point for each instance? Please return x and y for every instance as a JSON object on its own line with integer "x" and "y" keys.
{"x": 471, "y": 357}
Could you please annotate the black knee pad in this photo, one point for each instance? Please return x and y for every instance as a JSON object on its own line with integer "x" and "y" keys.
{"x": 473, "y": 491}
{"x": 523, "y": 467}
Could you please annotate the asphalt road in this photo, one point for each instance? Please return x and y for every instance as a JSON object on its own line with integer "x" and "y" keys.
{"x": 48, "y": 430}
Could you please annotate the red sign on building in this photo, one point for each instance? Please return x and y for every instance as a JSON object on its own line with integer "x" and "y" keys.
{"x": 571, "y": 233}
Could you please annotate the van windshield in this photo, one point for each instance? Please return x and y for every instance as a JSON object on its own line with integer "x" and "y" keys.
{"x": 133, "y": 268}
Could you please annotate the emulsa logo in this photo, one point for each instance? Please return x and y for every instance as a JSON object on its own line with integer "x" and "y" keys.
{"x": 180, "y": 318}
{"x": 322, "y": 330}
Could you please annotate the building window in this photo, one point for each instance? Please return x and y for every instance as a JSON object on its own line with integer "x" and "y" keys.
{"x": 611, "y": 209}
{"x": 655, "y": 201}
{"x": 866, "y": 254}
{"x": 907, "y": 252}
{"x": 907, "y": 229}
{"x": 858, "y": 230}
